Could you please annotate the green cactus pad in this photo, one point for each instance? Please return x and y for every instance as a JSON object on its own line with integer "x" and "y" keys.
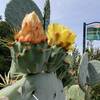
{"x": 89, "y": 76}
{"x": 45, "y": 86}
{"x": 75, "y": 93}
{"x": 28, "y": 58}
{"x": 83, "y": 71}
{"x": 94, "y": 72}
{"x": 17, "y": 9}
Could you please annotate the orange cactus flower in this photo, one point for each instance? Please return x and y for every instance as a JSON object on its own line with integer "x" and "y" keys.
{"x": 31, "y": 30}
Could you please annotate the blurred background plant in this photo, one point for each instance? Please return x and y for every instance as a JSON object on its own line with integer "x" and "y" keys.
{"x": 6, "y": 35}
{"x": 73, "y": 61}
{"x": 94, "y": 53}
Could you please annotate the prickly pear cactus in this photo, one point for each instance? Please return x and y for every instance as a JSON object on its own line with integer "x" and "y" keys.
{"x": 94, "y": 72}
{"x": 45, "y": 86}
{"x": 28, "y": 58}
{"x": 89, "y": 71}
{"x": 35, "y": 87}
{"x": 94, "y": 79}
{"x": 89, "y": 76}
{"x": 83, "y": 71}
{"x": 74, "y": 93}
{"x": 17, "y": 9}
{"x": 35, "y": 54}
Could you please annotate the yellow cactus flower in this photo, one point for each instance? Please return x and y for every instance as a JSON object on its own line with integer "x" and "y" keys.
{"x": 59, "y": 35}
{"x": 31, "y": 30}
{"x": 70, "y": 48}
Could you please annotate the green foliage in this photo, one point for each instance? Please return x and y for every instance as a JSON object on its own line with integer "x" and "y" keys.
{"x": 94, "y": 53}
{"x": 72, "y": 61}
{"x": 5, "y": 37}
{"x": 89, "y": 77}
{"x": 74, "y": 93}
{"x": 5, "y": 30}
{"x": 56, "y": 59}
{"x": 96, "y": 92}
{"x": 76, "y": 59}
{"x": 5, "y": 61}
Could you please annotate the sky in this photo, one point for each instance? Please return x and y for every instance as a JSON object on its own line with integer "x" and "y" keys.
{"x": 71, "y": 13}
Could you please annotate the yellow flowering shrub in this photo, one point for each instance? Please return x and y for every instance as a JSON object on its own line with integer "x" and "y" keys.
{"x": 59, "y": 35}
